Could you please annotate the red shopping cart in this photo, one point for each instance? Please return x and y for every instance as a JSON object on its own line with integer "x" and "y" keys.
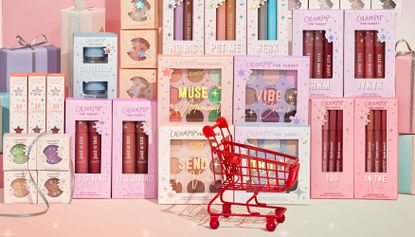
{"x": 247, "y": 168}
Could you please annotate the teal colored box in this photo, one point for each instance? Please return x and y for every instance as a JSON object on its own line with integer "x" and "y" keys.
{"x": 406, "y": 164}
{"x": 5, "y": 103}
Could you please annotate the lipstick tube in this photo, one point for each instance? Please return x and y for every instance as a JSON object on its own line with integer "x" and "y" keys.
{"x": 308, "y": 49}
{"x": 332, "y": 140}
{"x": 370, "y": 142}
{"x": 384, "y": 144}
{"x": 221, "y": 22}
{"x": 188, "y": 20}
{"x": 178, "y": 22}
{"x": 379, "y": 58}
{"x": 325, "y": 144}
{"x": 81, "y": 147}
{"x": 328, "y": 59}
{"x": 142, "y": 149}
{"x": 369, "y": 54}
{"x": 359, "y": 54}
{"x": 230, "y": 19}
{"x": 129, "y": 148}
{"x": 339, "y": 141}
{"x": 318, "y": 54}
{"x": 263, "y": 22}
{"x": 95, "y": 149}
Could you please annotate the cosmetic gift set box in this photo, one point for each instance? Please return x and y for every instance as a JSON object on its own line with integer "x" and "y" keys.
{"x": 406, "y": 164}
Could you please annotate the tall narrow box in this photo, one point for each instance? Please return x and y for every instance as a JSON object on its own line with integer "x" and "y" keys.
{"x": 139, "y": 14}
{"x": 55, "y": 105}
{"x": 406, "y": 164}
{"x": 18, "y": 103}
{"x": 36, "y": 103}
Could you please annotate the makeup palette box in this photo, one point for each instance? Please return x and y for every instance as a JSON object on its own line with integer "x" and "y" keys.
{"x": 185, "y": 167}
{"x": 138, "y": 49}
{"x": 139, "y": 14}
{"x": 15, "y": 148}
{"x": 406, "y": 164}
{"x": 324, "y": 4}
{"x": 43, "y": 58}
{"x": 271, "y": 90}
{"x": 319, "y": 35}
{"x": 183, "y": 27}
{"x": 18, "y": 103}
{"x": 267, "y": 27}
{"x": 294, "y": 141}
{"x": 138, "y": 84}
{"x": 95, "y": 65}
{"x": 332, "y": 136}
{"x": 78, "y": 18}
{"x": 194, "y": 89}
{"x": 53, "y": 152}
{"x": 89, "y": 122}
{"x": 55, "y": 105}
{"x": 56, "y": 186}
{"x": 134, "y": 169}
{"x": 19, "y": 187}
{"x": 225, "y": 27}
{"x": 36, "y": 116}
{"x": 355, "y": 4}
{"x": 376, "y": 148}
{"x": 369, "y": 53}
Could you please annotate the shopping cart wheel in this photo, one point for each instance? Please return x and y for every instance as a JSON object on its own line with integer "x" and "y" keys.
{"x": 214, "y": 222}
{"x": 226, "y": 210}
{"x": 271, "y": 225}
{"x": 281, "y": 219}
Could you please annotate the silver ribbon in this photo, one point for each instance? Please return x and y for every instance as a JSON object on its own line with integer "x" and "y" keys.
{"x": 42, "y": 195}
{"x": 24, "y": 44}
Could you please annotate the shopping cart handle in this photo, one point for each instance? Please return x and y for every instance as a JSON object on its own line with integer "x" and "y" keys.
{"x": 220, "y": 122}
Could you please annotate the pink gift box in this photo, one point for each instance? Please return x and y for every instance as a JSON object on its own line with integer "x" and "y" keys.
{"x": 332, "y": 130}
{"x": 128, "y": 181}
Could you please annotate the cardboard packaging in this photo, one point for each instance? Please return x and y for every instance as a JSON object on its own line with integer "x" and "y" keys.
{"x": 195, "y": 89}
{"x": 294, "y": 141}
{"x": 319, "y": 35}
{"x": 19, "y": 187}
{"x": 138, "y": 49}
{"x": 324, "y": 4}
{"x": 138, "y": 84}
{"x": 36, "y": 116}
{"x": 15, "y": 148}
{"x": 271, "y": 90}
{"x": 355, "y": 5}
{"x": 332, "y": 138}
{"x": 5, "y": 113}
{"x": 56, "y": 186}
{"x": 53, "y": 152}
{"x": 406, "y": 164}
{"x": 95, "y": 65}
{"x": 18, "y": 103}
{"x": 139, "y": 14}
{"x": 55, "y": 105}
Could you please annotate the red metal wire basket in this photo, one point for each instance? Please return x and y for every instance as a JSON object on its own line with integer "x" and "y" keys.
{"x": 248, "y": 168}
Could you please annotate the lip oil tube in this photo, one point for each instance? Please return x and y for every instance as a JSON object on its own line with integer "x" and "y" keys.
{"x": 142, "y": 149}
{"x": 308, "y": 49}
{"x": 81, "y": 147}
{"x": 360, "y": 54}
{"x": 325, "y": 144}
{"x": 188, "y": 20}
{"x": 272, "y": 20}
{"x": 178, "y": 22}
{"x": 263, "y": 21}
{"x": 221, "y": 22}
{"x": 230, "y": 19}
{"x": 332, "y": 139}
{"x": 379, "y": 58}
{"x": 369, "y": 142}
{"x": 369, "y": 54}
{"x": 384, "y": 140}
{"x": 318, "y": 54}
{"x": 95, "y": 149}
{"x": 129, "y": 148}
{"x": 339, "y": 141}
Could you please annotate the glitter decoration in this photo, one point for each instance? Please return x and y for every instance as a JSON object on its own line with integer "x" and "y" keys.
{"x": 52, "y": 154}
{"x": 18, "y": 152}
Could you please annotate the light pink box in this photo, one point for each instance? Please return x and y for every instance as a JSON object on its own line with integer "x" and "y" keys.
{"x": 53, "y": 152}
{"x": 360, "y": 77}
{"x": 19, "y": 187}
{"x": 36, "y": 103}
{"x": 369, "y": 184}
{"x": 18, "y": 103}
{"x": 92, "y": 185}
{"x": 15, "y": 148}
{"x": 131, "y": 182}
{"x": 331, "y": 23}
{"x": 56, "y": 186}
{"x": 336, "y": 182}
{"x": 194, "y": 89}
{"x": 55, "y": 105}
{"x": 271, "y": 89}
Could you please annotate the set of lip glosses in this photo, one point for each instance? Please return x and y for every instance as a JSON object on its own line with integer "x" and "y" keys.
{"x": 135, "y": 148}
{"x": 87, "y": 147}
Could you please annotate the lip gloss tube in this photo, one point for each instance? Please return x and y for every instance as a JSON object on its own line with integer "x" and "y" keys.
{"x": 318, "y": 54}
{"x": 81, "y": 147}
{"x": 379, "y": 58}
{"x": 378, "y": 141}
{"x": 308, "y": 49}
{"x": 188, "y": 20}
{"x": 384, "y": 144}
{"x": 339, "y": 141}
{"x": 178, "y": 22}
{"x": 230, "y": 19}
{"x": 272, "y": 20}
{"x": 359, "y": 54}
{"x": 221, "y": 22}
{"x": 369, "y": 54}
{"x": 95, "y": 149}
{"x": 129, "y": 148}
{"x": 370, "y": 143}
{"x": 142, "y": 147}
{"x": 328, "y": 59}
{"x": 263, "y": 21}
{"x": 325, "y": 144}
{"x": 332, "y": 140}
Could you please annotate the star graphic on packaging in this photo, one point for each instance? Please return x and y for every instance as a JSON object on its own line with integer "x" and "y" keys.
{"x": 7, "y": 233}
{"x": 140, "y": 5}
{"x": 141, "y": 54}
{"x": 18, "y": 91}
{"x": 55, "y": 130}
{"x": 55, "y": 91}
{"x": 36, "y": 91}
{"x": 107, "y": 50}
{"x": 18, "y": 130}
{"x": 36, "y": 129}
{"x": 167, "y": 72}
{"x": 241, "y": 73}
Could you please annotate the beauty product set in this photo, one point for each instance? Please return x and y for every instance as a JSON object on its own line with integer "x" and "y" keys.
{"x": 138, "y": 49}
{"x": 344, "y": 4}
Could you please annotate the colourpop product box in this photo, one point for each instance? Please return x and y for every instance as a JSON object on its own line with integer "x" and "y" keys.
{"x": 183, "y": 27}
{"x": 396, "y": 5}
{"x": 225, "y": 27}
{"x": 18, "y": 103}
{"x": 55, "y": 186}
{"x": 196, "y": 89}
{"x": 186, "y": 167}
{"x": 36, "y": 103}
{"x": 324, "y": 4}
{"x": 134, "y": 170}
{"x": 53, "y": 152}
{"x": 293, "y": 141}
{"x": 15, "y": 148}
{"x": 271, "y": 90}
{"x": 138, "y": 84}
{"x": 19, "y": 188}
{"x": 138, "y": 49}
{"x": 139, "y": 14}
{"x": 369, "y": 53}
{"x": 297, "y": 4}
{"x": 95, "y": 65}
{"x": 267, "y": 27}
{"x": 406, "y": 164}
{"x": 332, "y": 137}
{"x": 55, "y": 105}
{"x": 89, "y": 122}
{"x": 319, "y": 35}
{"x": 376, "y": 148}
{"x": 355, "y": 4}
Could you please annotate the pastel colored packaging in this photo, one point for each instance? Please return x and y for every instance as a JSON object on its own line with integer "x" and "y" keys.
{"x": 138, "y": 49}
{"x": 332, "y": 136}
{"x": 5, "y": 114}
{"x": 183, "y": 29}
{"x": 53, "y": 152}
{"x": 19, "y": 188}
{"x": 324, "y": 4}
{"x": 55, "y": 185}
{"x": 139, "y": 14}
{"x": 376, "y": 148}
{"x": 99, "y": 113}
{"x": 397, "y": 5}
{"x": 329, "y": 25}
{"x": 355, "y": 4}
{"x": 406, "y": 164}
{"x": 271, "y": 90}
{"x": 194, "y": 89}
{"x": 138, "y": 84}
{"x": 294, "y": 141}
{"x": 369, "y": 53}
{"x": 134, "y": 169}
{"x": 185, "y": 167}
{"x": 55, "y": 105}
{"x": 15, "y": 148}
{"x": 18, "y": 103}
{"x": 36, "y": 118}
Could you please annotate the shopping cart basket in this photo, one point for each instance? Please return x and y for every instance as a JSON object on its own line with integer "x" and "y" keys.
{"x": 248, "y": 168}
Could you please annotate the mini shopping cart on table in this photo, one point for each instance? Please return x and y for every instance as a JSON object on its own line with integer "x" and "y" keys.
{"x": 251, "y": 169}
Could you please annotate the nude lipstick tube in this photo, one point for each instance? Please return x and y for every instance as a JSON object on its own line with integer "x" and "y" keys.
{"x": 188, "y": 20}
{"x": 230, "y": 19}
{"x": 332, "y": 140}
{"x": 360, "y": 54}
{"x": 221, "y": 22}
{"x": 142, "y": 149}
{"x": 263, "y": 21}
{"x": 94, "y": 149}
{"x": 384, "y": 142}
{"x": 308, "y": 49}
{"x": 378, "y": 141}
{"x": 379, "y": 58}
{"x": 325, "y": 145}
{"x": 178, "y": 22}
{"x": 370, "y": 142}
{"x": 339, "y": 142}
{"x": 81, "y": 147}
{"x": 129, "y": 148}
{"x": 369, "y": 54}
{"x": 318, "y": 54}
